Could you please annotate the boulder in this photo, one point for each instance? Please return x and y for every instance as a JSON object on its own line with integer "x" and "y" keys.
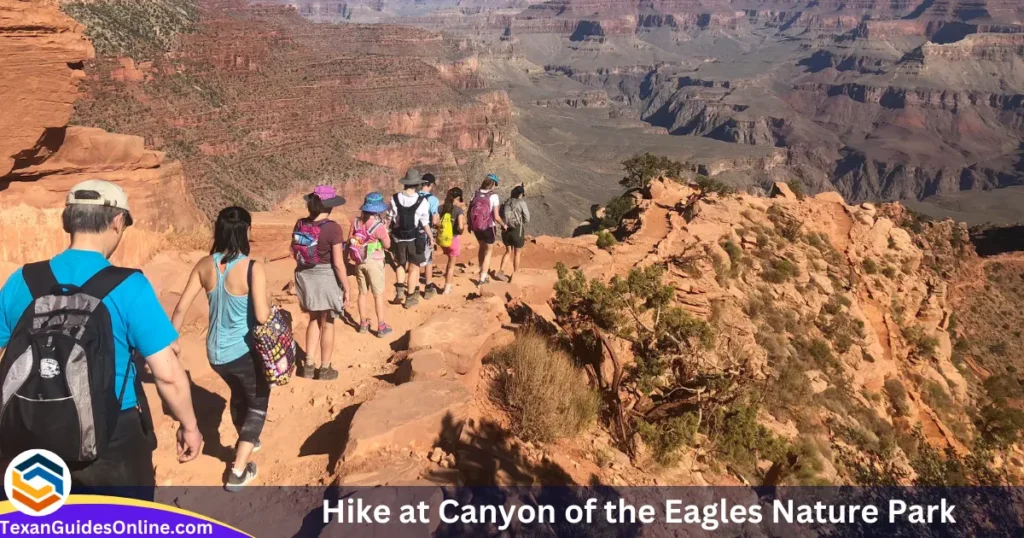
{"x": 463, "y": 334}
{"x": 782, "y": 190}
{"x": 422, "y": 365}
{"x": 505, "y": 291}
{"x": 412, "y": 414}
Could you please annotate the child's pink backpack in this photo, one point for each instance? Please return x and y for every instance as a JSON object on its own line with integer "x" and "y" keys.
{"x": 359, "y": 247}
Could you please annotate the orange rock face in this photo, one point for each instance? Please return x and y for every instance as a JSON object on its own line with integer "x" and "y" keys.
{"x": 41, "y": 51}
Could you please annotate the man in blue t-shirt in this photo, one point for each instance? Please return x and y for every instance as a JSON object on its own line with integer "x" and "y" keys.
{"x": 96, "y": 215}
{"x": 427, "y": 191}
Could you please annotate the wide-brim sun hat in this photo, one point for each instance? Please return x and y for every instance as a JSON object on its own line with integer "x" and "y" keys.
{"x": 374, "y": 203}
{"x": 412, "y": 178}
{"x": 327, "y": 195}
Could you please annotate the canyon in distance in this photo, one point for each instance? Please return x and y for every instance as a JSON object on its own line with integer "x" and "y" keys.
{"x": 777, "y": 298}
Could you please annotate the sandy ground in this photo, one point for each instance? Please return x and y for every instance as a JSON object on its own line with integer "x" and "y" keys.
{"x": 299, "y": 445}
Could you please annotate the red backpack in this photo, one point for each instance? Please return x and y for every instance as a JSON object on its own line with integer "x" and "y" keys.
{"x": 481, "y": 217}
{"x": 305, "y": 240}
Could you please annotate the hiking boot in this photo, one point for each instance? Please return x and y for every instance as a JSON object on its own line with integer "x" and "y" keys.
{"x": 412, "y": 300}
{"x": 364, "y": 327}
{"x": 429, "y": 293}
{"x": 399, "y": 294}
{"x": 383, "y": 330}
{"x": 326, "y": 373}
{"x": 304, "y": 370}
{"x": 236, "y": 482}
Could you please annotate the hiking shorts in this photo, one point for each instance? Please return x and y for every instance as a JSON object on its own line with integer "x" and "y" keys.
{"x": 485, "y": 237}
{"x": 428, "y": 255}
{"x": 405, "y": 253}
{"x": 370, "y": 276}
{"x": 514, "y": 237}
{"x": 455, "y": 249}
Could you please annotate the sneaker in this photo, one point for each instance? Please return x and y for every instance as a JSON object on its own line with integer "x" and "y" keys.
{"x": 236, "y": 482}
{"x": 429, "y": 293}
{"x": 483, "y": 280}
{"x": 399, "y": 294}
{"x": 304, "y": 370}
{"x": 447, "y": 289}
{"x": 364, "y": 327}
{"x": 327, "y": 373}
{"x": 500, "y": 276}
{"x": 412, "y": 300}
{"x": 256, "y": 446}
{"x": 383, "y": 330}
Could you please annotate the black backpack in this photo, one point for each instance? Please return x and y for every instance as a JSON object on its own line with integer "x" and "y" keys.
{"x": 57, "y": 376}
{"x": 405, "y": 225}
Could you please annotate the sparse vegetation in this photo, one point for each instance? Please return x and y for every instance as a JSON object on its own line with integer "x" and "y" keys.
{"x": 870, "y": 266}
{"x": 780, "y": 270}
{"x": 798, "y": 189}
{"x": 897, "y": 394}
{"x": 643, "y": 168}
{"x": 546, "y": 395}
{"x": 617, "y": 208}
{"x": 138, "y": 29}
{"x": 667, "y": 437}
{"x": 606, "y": 240}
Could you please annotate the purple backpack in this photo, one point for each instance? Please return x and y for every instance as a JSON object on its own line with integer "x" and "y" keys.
{"x": 481, "y": 217}
{"x": 305, "y": 239}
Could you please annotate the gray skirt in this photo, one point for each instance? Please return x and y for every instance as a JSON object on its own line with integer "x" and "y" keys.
{"x": 318, "y": 289}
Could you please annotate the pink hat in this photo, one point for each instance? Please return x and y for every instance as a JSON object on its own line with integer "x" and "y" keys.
{"x": 327, "y": 195}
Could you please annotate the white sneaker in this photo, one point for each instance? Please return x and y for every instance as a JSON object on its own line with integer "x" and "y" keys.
{"x": 447, "y": 289}
{"x": 484, "y": 279}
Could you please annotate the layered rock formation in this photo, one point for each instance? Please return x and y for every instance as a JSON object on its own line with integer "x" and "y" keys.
{"x": 43, "y": 53}
{"x": 259, "y": 104}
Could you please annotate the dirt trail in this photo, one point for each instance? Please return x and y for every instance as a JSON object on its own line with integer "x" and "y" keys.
{"x": 301, "y": 441}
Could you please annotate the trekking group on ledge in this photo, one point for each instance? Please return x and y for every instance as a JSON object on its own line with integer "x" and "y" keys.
{"x": 73, "y": 328}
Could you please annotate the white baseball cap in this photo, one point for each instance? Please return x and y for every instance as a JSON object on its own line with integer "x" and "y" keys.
{"x": 99, "y": 192}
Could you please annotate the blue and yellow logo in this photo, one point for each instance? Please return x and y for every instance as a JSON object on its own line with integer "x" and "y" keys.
{"x": 37, "y": 482}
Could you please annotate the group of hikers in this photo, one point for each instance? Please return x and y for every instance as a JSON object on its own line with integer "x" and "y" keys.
{"x": 76, "y": 321}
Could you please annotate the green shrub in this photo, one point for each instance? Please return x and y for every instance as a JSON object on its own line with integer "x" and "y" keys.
{"x": 889, "y": 272}
{"x": 786, "y": 226}
{"x": 924, "y": 344}
{"x": 616, "y": 208}
{"x": 547, "y": 397}
{"x": 870, "y": 267}
{"x": 998, "y": 348}
{"x": 897, "y": 394}
{"x": 667, "y": 437}
{"x": 780, "y": 270}
{"x": 742, "y": 440}
{"x": 606, "y": 240}
{"x": 643, "y": 168}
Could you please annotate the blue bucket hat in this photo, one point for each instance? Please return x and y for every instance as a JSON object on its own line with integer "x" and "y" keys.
{"x": 374, "y": 203}
{"x": 493, "y": 177}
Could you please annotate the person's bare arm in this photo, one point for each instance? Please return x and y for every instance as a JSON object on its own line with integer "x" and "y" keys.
{"x": 175, "y": 390}
{"x": 497, "y": 217}
{"x": 386, "y": 240}
{"x": 338, "y": 262}
{"x": 461, "y": 224}
{"x": 260, "y": 300}
{"x": 188, "y": 296}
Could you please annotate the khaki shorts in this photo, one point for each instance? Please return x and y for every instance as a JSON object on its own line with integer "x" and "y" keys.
{"x": 370, "y": 276}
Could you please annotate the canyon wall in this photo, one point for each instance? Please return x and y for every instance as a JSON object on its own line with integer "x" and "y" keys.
{"x": 43, "y": 53}
{"x": 259, "y": 104}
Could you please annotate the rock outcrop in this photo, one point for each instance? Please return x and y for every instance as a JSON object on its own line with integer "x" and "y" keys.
{"x": 43, "y": 53}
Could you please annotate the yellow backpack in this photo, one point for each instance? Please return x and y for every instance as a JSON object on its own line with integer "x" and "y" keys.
{"x": 446, "y": 232}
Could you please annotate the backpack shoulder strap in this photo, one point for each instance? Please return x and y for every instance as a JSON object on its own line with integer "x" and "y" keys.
{"x": 104, "y": 282}
{"x": 251, "y": 310}
{"x": 39, "y": 278}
